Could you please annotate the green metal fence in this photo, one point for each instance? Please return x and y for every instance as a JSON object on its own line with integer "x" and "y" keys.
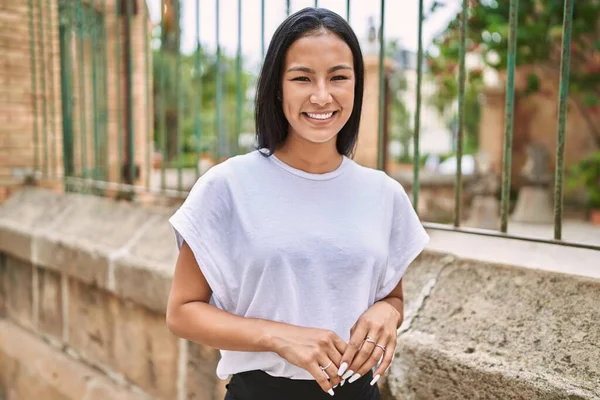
{"x": 98, "y": 60}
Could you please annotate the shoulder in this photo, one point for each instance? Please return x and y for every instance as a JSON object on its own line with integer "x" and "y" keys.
{"x": 227, "y": 171}
{"x": 388, "y": 185}
{"x": 238, "y": 165}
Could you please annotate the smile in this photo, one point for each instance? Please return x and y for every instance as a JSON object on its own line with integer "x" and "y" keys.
{"x": 320, "y": 116}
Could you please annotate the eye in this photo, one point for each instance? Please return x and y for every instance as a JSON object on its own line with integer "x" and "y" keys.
{"x": 301, "y": 79}
{"x": 339, "y": 78}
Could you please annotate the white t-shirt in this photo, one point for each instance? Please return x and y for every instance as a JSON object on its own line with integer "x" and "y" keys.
{"x": 281, "y": 244}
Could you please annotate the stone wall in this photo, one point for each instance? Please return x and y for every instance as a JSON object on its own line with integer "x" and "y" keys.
{"x": 79, "y": 289}
{"x": 85, "y": 280}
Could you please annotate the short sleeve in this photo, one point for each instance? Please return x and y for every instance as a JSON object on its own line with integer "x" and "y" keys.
{"x": 203, "y": 222}
{"x": 407, "y": 239}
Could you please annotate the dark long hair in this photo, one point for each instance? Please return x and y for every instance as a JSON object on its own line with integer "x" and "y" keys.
{"x": 271, "y": 124}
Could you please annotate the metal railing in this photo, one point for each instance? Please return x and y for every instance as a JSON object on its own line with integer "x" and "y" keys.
{"x": 90, "y": 30}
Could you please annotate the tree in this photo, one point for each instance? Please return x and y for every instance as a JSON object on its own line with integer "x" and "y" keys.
{"x": 538, "y": 43}
{"x": 172, "y": 89}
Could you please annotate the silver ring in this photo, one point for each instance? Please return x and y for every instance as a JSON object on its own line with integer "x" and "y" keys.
{"x": 368, "y": 339}
{"x": 324, "y": 368}
{"x": 380, "y": 346}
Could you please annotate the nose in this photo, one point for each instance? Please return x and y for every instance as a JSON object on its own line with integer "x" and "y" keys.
{"x": 321, "y": 95}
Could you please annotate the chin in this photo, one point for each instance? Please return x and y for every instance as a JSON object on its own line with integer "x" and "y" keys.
{"x": 319, "y": 139}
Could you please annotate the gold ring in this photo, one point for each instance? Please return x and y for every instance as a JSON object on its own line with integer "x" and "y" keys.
{"x": 324, "y": 368}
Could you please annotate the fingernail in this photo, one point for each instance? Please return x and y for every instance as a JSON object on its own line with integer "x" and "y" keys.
{"x": 342, "y": 382}
{"x": 348, "y": 374}
{"x": 330, "y": 391}
{"x": 374, "y": 381}
{"x": 354, "y": 377}
{"x": 342, "y": 369}
{"x": 336, "y": 386}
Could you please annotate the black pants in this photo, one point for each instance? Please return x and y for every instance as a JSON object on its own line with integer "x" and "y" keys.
{"x": 258, "y": 385}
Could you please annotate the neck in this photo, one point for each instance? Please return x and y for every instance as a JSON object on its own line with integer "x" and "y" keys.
{"x": 314, "y": 158}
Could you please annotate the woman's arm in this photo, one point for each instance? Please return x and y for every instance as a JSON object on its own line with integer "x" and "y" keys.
{"x": 190, "y": 316}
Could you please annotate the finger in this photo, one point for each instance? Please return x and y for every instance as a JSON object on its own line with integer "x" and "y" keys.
{"x": 332, "y": 371}
{"x": 369, "y": 362}
{"x": 366, "y": 350}
{"x": 388, "y": 357}
{"x": 339, "y": 344}
{"x": 356, "y": 341}
{"x": 319, "y": 375}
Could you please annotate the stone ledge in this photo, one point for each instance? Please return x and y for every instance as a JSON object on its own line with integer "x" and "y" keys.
{"x": 493, "y": 331}
{"x": 95, "y": 240}
{"x": 35, "y": 370}
{"x": 426, "y": 370}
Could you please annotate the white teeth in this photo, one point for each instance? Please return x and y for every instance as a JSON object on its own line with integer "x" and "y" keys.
{"x": 320, "y": 116}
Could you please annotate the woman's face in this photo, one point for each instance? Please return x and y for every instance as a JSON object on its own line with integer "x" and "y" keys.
{"x": 318, "y": 87}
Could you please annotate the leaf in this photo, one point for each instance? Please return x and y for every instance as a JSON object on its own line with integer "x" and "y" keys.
{"x": 590, "y": 100}
{"x": 533, "y": 83}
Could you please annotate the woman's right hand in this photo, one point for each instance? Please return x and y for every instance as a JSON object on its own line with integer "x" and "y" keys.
{"x": 311, "y": 349}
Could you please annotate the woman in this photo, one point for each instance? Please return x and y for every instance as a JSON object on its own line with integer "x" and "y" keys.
{"x": 291, "y": 256}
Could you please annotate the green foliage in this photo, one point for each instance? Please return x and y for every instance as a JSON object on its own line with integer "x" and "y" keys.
{"x": 586, "y": 174}
{"x": 539, "y": 37}
{"x": 188, "y": 89}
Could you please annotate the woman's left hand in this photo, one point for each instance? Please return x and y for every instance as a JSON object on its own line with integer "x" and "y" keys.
{"x": 372, "y": 337}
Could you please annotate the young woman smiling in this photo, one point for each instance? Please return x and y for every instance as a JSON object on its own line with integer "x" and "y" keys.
{"x": 292, "y": 256}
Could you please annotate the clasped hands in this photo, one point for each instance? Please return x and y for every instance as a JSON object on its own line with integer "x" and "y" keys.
{"x": 332, "y": 361}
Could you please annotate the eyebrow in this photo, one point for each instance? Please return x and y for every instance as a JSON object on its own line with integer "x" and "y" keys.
{"x": 312, "y": 71}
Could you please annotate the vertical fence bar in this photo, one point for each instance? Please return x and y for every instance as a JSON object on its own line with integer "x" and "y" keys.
{"x": 316, "y": 3}
{"x": 105, "y": 139}
{"x": 178, "y": 93}
{"x": 161, "y": 100}
{"x": 381, "y": 145}
{"x": 219, "y": 87}
{"x": 95, "y": 103}
{"x": 149, "y": 125}
{"x": 262, "y": 28}
{"x": 509, "y": 114}
{"x": 288, "y": 7}
{"x": 416, "y": 133}
{"x": 348, "y": 11}
{"x": 565, "y": 61}
{"x": 65, "y": 22}
{"x": 82, "y": 127}
{"x": 118, "y": 83}
{"x": 43, "y": 81}
{"x": 34, "y": 99}
{"x": 130, "y": 120}
{"x": 198, "y": 93}
{"x": 238, "y": 127}
{"x": 461, "y": 114}
{"x": 54, "y": 150}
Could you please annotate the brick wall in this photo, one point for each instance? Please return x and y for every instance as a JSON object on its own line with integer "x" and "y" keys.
{"x": 25, "y": 112}
{"x": 17, "y": 98}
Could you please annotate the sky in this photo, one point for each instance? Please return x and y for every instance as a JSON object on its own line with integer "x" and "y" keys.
{"x": 401, "y": 21}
